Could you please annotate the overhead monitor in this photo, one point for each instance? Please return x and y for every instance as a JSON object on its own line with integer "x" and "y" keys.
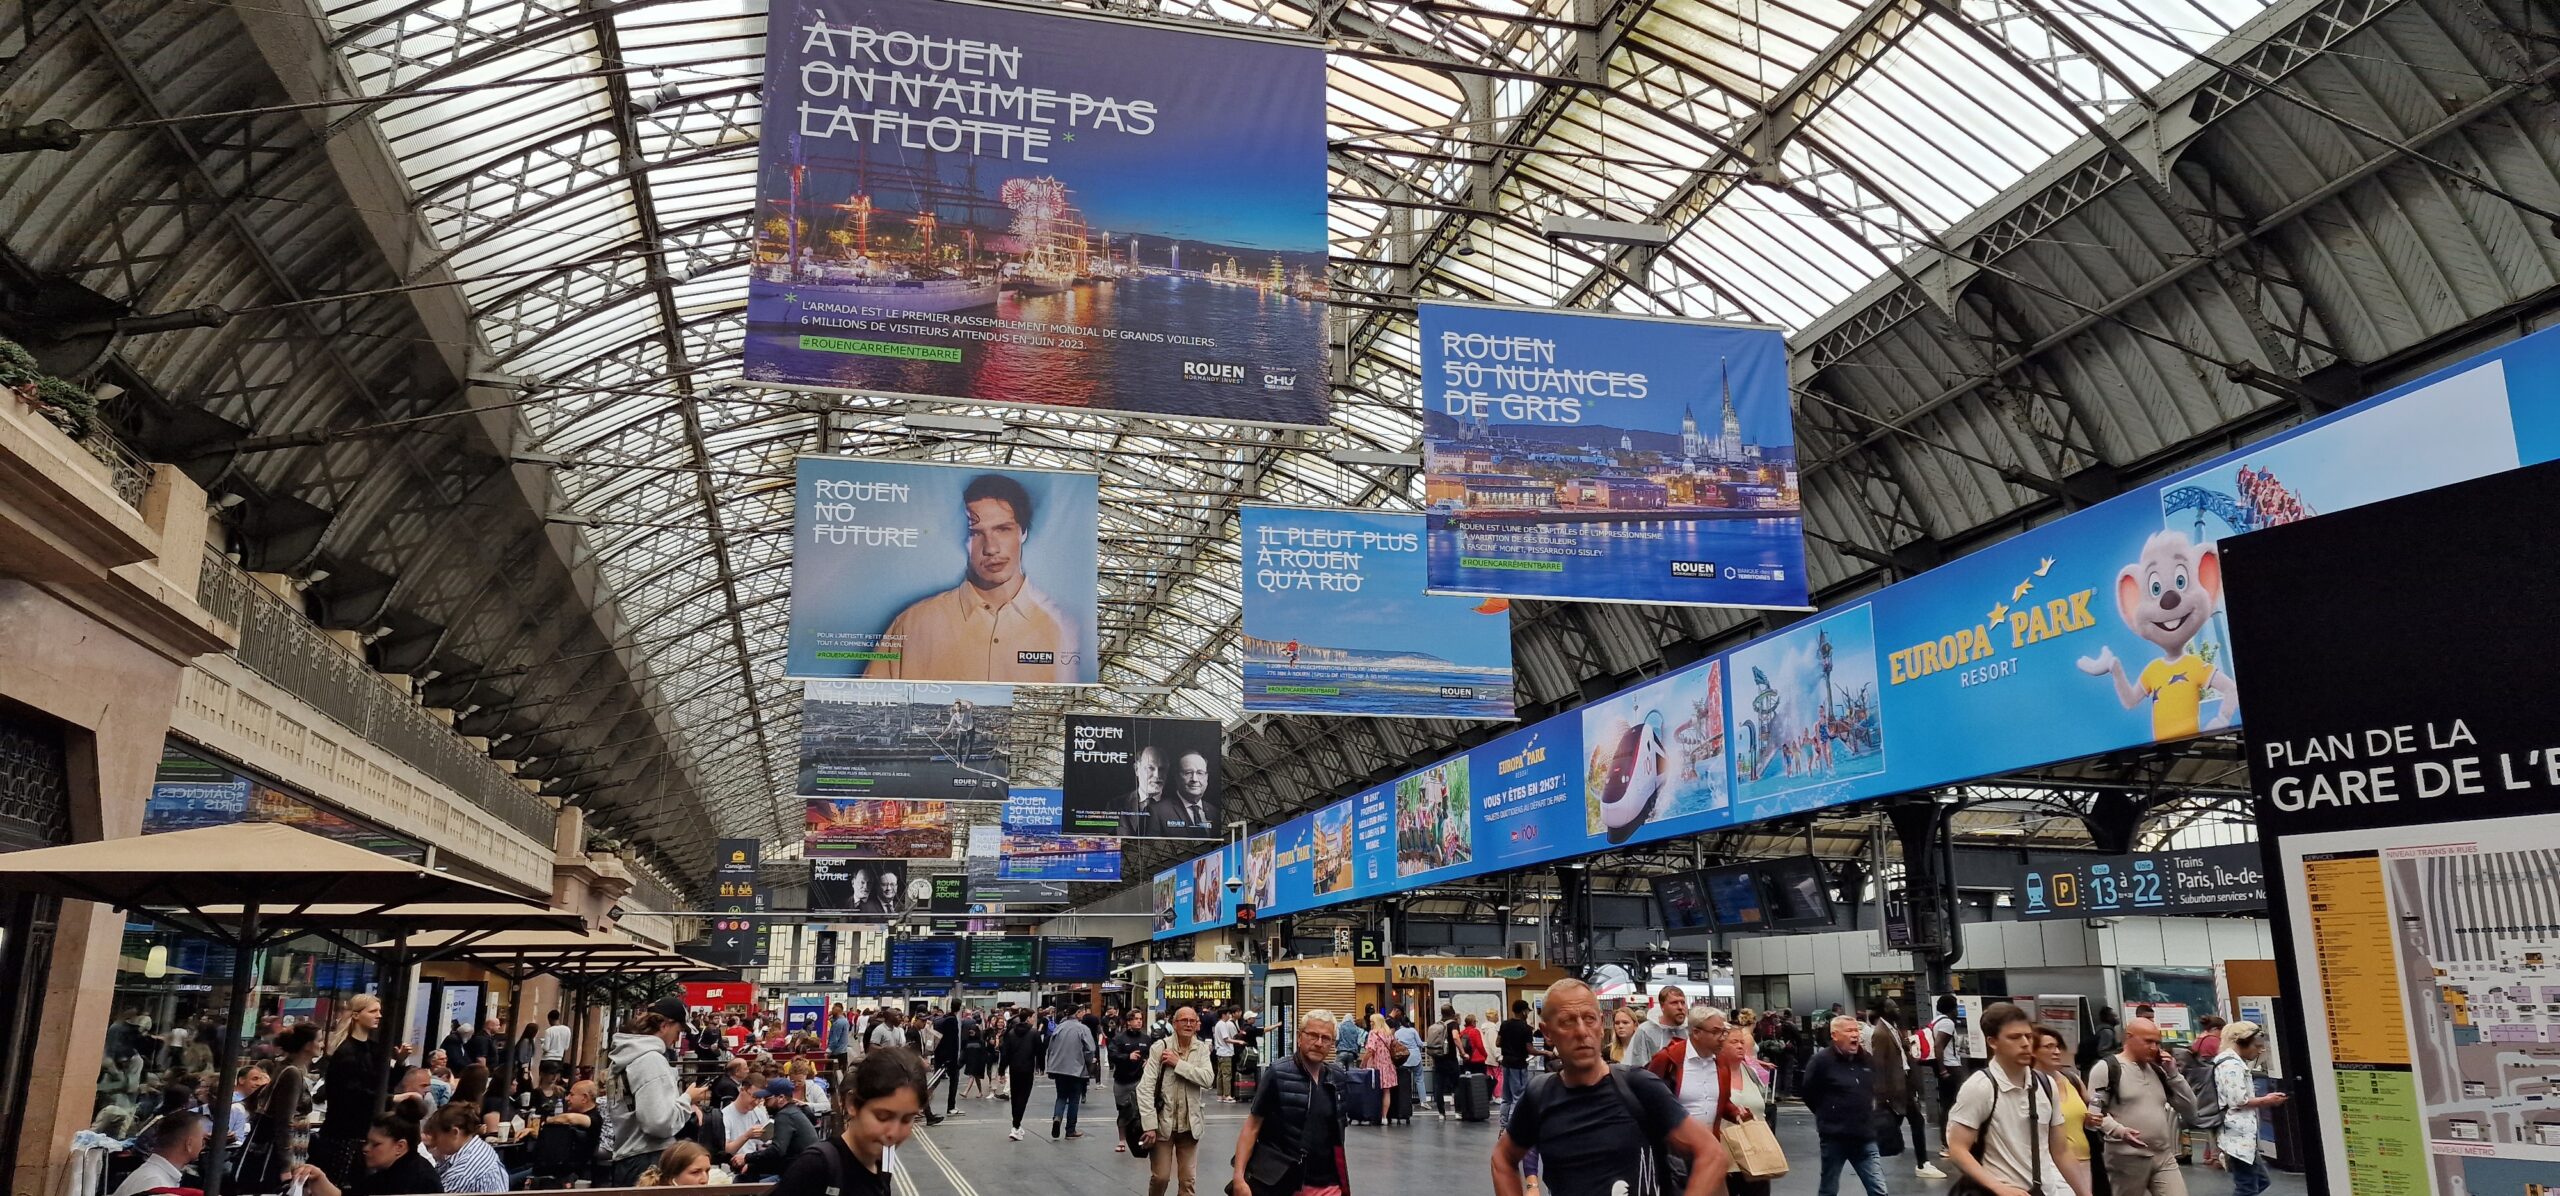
{"x": 1797, "y": 893}
{"x": 915, "y": 961}
{"x": 1680, "y": 901}
{"x": 1734, "y": 891}
{"x": 1000, "y": 958}
{"x": 1075, "y": 960}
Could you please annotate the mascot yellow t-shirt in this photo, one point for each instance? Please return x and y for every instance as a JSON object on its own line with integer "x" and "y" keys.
{"x": 2177, "y": 695}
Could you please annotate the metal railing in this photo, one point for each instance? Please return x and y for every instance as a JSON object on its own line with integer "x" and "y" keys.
{"x": 282, "y": 645}
{"x": 129, "y": 473}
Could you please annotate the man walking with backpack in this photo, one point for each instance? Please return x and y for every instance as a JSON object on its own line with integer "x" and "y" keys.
{"x": 2005, "y": 1133}
{"x": 1600, "y": 1129}
{"x": 2141, "y": 1102}
{"x": 1942, "y": 1048}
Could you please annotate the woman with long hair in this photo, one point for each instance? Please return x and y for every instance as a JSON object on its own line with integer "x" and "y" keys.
{"x": 277, "y": 1112}
{"x": 352, "y": 1081}
{"x": 685, "y": 1164}
{"x": 1622, "y": 1031}
{"x": 2071, "y": 1097}
{"x": 528, "y": 1051}
{"x": 1377, "y": 1052}
{"x": 884, "y": 1100}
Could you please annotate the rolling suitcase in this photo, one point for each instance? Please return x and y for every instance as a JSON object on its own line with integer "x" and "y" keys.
{"x": 1361, "y": 1097}
{"x": 1247, "y": 1084}
{"x": 1475, "y": 1097}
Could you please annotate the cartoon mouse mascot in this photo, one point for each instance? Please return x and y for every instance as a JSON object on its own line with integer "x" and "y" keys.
{"x": 2167, "y": 597}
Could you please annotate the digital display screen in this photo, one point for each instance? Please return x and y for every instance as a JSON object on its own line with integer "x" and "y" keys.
{"x": 950, "y": 894}
{"x": 1734, "y": 890}
{"x": 1681, "y": 902}
{"x": 1798, "y": 895}
{"x": 1010, "y": 957}
{"x": 913, "y": 960}
{"x": 1087, "y": 960}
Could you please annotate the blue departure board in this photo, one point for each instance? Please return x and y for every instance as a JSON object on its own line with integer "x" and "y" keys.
{"x": 914, "y": 961}
{"x": 1085, "y": 960}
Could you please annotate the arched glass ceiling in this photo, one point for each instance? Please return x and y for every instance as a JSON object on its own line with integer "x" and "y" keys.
{"x": 1800, "y": 149}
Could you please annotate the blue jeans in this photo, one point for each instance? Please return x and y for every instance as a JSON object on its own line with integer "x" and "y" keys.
{"x": 1859, "y": 1153}
{"x": 2247, "y": 1178}
{"x": 1070, "y": 1100}
{"x": 1513, "y": 1080}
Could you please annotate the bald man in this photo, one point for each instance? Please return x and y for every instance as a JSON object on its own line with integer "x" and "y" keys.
{"x": 2136, "y": 1099}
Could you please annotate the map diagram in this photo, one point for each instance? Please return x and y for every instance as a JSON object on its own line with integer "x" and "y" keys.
{"x": 2479, "y": 939}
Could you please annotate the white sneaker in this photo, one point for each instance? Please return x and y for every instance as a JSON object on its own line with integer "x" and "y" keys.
{"x": 1930, "y": 1171}
{"x": 1016, "y": 1135}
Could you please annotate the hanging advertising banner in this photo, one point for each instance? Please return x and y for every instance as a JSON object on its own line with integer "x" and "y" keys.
{"x": 2100, "y": 632}
{"x": 988, "y": 885}
{"x": 1336, "y": 622}
{"x": 877, "y": 829}
{"x": 981, "y": 202}
{"x": 1608, "y": 458}
{"x": 870, "y": 887}
{"x": 1029, "y": 848}
{"x": 1143, "y": 778}
{"x": 2407, "y": 795}
{"x": 732, "y": 938}
{"x": 909, "y": 572}
{"x": 906, "y": 739}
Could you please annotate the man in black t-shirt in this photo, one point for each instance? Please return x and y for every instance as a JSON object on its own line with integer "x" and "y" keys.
{"x": 1598, "y": 1129}
{"x": 1511, "y": 1050}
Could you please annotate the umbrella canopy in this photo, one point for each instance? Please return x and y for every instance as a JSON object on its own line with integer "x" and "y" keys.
{"x": 538, "y": 945}
{"x": 267, "y": 863}
{"x": 496, "y": 917}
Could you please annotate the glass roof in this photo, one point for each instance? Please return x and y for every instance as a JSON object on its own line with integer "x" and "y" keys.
{"x": 587, "y": 170}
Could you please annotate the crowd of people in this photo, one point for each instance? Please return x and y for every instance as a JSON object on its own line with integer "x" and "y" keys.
{"x": 1678, "y": 1097}
{"x": 1666, "y": 1102}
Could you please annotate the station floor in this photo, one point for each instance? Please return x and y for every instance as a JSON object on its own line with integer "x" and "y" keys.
{"x": 969, "y": 1155}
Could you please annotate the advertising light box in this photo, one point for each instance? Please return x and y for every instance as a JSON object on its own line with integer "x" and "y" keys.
{"x": 2099, "y": 632}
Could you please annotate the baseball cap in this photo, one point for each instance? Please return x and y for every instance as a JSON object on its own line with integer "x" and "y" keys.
{"x": 670, "y": 1007}
{"x": 778, "y": 1086}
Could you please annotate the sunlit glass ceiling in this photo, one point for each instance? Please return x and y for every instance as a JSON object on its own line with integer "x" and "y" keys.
{"x": 588, "y": 171}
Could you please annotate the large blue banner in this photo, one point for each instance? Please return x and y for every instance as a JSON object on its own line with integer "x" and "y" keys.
{"x": 1336, "y": 622}
{"x": 902, "y": 571}
{"x": 1608, "y": 458}
{"x": 987, "y": 203}
{"x": 1031, "y": 847}
{"x": 2095, "y": 633}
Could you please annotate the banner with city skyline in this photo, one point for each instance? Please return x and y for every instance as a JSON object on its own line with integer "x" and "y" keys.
{"x": 1594, "y": 457}
{"x": 1336, "y": 622}
{"x": 978, "y": 202}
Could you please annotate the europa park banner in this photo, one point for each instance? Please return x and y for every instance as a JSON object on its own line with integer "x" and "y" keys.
{"x": 1609, "y": 458}
{"x": 972, "y": 201}
{"x": 1336, "y": 622}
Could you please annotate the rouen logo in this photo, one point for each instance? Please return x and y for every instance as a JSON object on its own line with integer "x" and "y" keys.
{"x": 1035, "y": 658}
{"x": 1224, "y": 373}
{"x": 1693, "y": 568}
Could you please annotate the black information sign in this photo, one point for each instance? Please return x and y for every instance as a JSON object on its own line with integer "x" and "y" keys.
{"x": 1009, "y": 957}
{"x": 1368, "y": 949}
{"x": 1200, "y": 992}
{"x": 1086, "y": 961}
{"x": 735, "y": 941}
{"x": 826, "y": 961}
{"x": 2405, "y": 772}
{"x": 917, "y": 961}
{"x": 950, "y": 894}
{"x": 2203, "y": 880}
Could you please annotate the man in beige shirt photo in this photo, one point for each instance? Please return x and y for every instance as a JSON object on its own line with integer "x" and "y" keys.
{"x": 995, "y": 625}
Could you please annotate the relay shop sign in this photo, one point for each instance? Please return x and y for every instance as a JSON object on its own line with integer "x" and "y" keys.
{"x": 999, "y": 205}
{"x": 2204, "y": 880}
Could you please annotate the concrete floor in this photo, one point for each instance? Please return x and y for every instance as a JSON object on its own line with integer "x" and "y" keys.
{"x": 970, "y": 1156}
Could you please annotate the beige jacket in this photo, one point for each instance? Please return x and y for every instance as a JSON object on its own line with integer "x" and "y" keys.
{"x": 1182, "y": 1093}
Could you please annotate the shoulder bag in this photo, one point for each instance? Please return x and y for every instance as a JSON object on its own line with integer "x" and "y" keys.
{"x": 1659, "y": 1172}
{"x": 1965, "y": 1184}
